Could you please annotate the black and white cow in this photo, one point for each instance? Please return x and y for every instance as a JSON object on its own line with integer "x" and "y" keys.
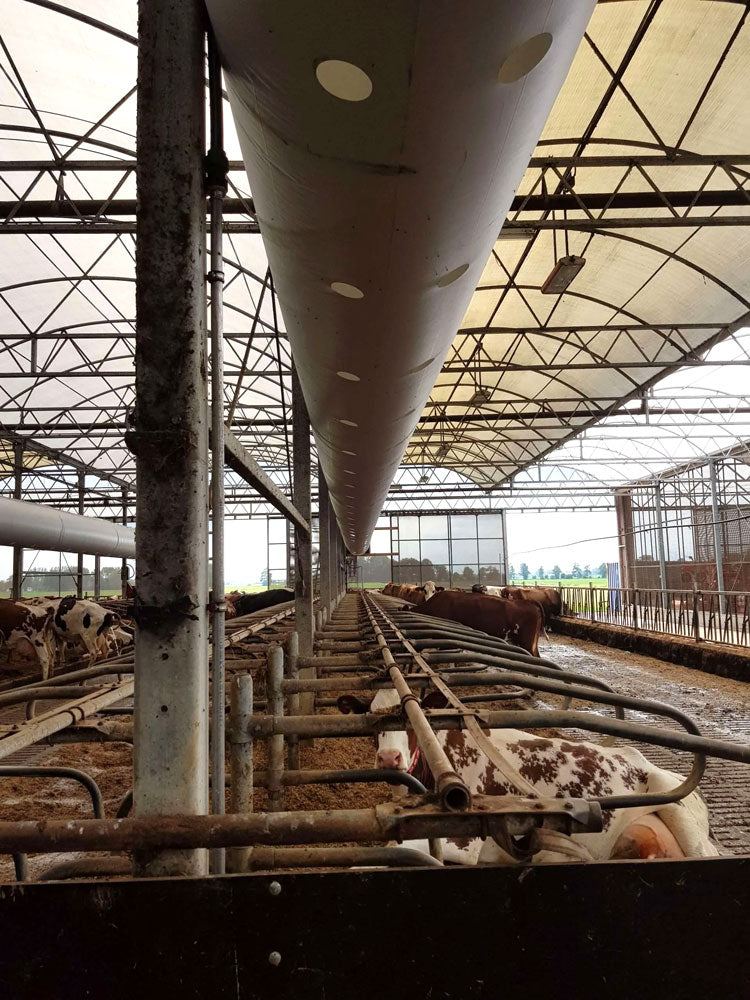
{"x": 554, "y": 768}
{"x": 82, "y": 624}
{"x": 27, "y": 633}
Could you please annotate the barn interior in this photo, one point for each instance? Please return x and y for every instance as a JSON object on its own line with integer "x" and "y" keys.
{"x": 373, "y": 281}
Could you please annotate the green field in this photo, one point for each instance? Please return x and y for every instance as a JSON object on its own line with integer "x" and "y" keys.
{"x": 596, "y": 581}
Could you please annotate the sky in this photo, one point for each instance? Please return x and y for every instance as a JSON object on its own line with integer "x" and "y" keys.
{"x": 537, "y": 539}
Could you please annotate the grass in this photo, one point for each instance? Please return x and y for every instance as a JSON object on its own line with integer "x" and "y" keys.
{"x": 596, "y": 581}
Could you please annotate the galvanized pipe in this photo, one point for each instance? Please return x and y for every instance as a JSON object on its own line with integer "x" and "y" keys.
{"x": 371, "y": 723}
{"x": 170, "y": 433}
{"x": 451, "y": 789}
{"x": 412, "y": 819}
{"x": 217, "y": 188}
{"x": 18, "y": 697}
{"x": 64, "y": 716}
{"x": 291, "y": 669}
{"x": 275, "y": 742}
{"x": 241, "y": 759}
{"x": 303, "y": 582}
{"x": 71, "y": 773}
{"x": 563, "y": 676}
{"x": 717, "y": 533}
{"x": 117, "y": 665}
{"x": 338, "y": 857}
{"x": 16, "y": 581}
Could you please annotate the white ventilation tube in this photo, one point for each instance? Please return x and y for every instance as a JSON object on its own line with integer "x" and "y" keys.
{"x": 383, "y": 143}
{"x": 37, "y": 527}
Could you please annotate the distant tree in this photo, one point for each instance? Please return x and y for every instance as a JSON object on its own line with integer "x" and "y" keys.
{"x": 557, "y": 573}
{"x": 602, "y": 570}
{"x": 512, "y": 571}
{"x": 524, "y": 571}
{"x": 576, "y": 572}
{"x": 540, "y": 573}
{"x": 264, "y": 577}
{"x": 586, "y": 572}
{"x": 469, "y": 577}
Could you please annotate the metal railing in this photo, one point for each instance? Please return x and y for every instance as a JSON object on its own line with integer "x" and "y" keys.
{"x": 703, "y": 615}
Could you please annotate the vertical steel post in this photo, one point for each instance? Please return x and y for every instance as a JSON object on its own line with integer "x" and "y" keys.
{"x": 216, "y": 187}
{"x": 240, "y": 759}
{"x": 291, "y": 671}
{"x": 170, "y": 436}
{"x": 660, "y": 548}
{"x": 327, "y": 592}
{"x": 124, "y": 563}
{"x": 97, "y": 577}
{"x": 275, "y": 708}
{"x": 81, "y": 509}
{"x": 16, "y": 587}
{"x": 718, "y": 533}
{"x": 505, "y": 548}
{"x": 303, "y": 583}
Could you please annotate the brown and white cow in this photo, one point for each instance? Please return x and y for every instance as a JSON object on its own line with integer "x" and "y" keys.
{"x": 553, "y": 768}
{"x": 28, "y": 633}
{"x": 518, "y": 622}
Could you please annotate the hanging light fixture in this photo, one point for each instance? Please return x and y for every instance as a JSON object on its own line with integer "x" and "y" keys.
{"x": 566, "y": 267}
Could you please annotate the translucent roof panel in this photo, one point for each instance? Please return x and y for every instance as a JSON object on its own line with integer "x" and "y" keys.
{"x": 642, "y": 169}
{"x": 632, "y": 175}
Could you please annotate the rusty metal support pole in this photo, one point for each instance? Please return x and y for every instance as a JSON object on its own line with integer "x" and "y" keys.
{"x": 275, "y": 708}
{"x": 324, "y": 545}
{"x": 16, "y": 587}
{"x": 291, "y": 672}
{"x": 241, "y": 760}
{"x": 124, "y": 563}
{"x": 216, "y": 175}
{"x": 718, "y": 533}
{"x": 81, "y": 510}
{"x": 303, "y": 582}
{"x": 170, "y": 436}
{"x": 660, "y": 548}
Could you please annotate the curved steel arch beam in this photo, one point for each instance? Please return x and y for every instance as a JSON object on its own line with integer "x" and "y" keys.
{"x": 93, "y": 22}
{"x": 59, "y": 134}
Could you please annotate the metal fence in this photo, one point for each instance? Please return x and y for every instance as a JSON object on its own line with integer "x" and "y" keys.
{"x": 702, "y": 615}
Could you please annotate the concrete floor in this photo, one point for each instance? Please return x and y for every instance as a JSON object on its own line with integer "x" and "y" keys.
{"x": 720, "y": 706}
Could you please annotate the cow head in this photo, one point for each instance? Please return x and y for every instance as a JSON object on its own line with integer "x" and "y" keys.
{"x": 429, "y": 589}
{"x": 392, "y": 747}
{"x": 479, "y": 588}
{"x": 110, "y": 620}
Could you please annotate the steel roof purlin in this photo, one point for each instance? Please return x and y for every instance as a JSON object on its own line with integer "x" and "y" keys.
{"x": 544, "y": 401}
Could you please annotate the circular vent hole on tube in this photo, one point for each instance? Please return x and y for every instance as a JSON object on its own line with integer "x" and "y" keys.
{"x": 524, "y": 57}
{"x": 452, "y": 276}
{"x": 348, "y": 291}
{"x": 347, "y": 423}
{"x": 343, "y": 80}
{"x": 348, "y": 376}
